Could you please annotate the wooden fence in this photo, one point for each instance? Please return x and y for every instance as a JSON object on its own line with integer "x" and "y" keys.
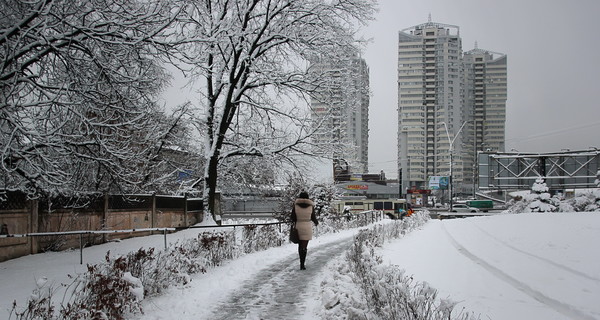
{"x": 18, "y": 215}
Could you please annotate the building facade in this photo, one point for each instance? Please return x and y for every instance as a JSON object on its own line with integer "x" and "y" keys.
{"x": 485, "y": 80}
{"x": 450, "y": 105}
{"x": 341, "y": 112}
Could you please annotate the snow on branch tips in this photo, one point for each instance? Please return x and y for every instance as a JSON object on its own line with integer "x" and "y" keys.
{"x": 79, "y": 81}
{"x": 254, "y": 58}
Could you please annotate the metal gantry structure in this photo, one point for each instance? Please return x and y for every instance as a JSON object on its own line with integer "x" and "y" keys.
{"x": 518, "y": 171}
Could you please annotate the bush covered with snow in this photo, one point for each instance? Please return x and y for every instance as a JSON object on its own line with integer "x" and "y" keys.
{"x": 333, "y": 222}
{"x": 105, "y": 291}
{"x": 539, "y": 200}
{"x": 388, "y": 293}
{"x": 115, "y": 288}
{"x": 587, "y": 202}
{"x": 258, "y": 238}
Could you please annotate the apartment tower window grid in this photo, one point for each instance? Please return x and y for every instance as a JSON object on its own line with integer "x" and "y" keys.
{"x": 486, "y": 83}
{"x": 342, "y": 111}
{"x": 430, "y": 100}
{"x": 439, "y": 90}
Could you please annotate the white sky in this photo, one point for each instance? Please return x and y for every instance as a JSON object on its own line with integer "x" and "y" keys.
{"x": 553, "y": 69}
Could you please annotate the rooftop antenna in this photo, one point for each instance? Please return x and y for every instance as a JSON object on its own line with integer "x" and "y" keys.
{"x": 429, "y": 18}
{"x": 476, "y": 46}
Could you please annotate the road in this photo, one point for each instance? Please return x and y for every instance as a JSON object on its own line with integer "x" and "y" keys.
{"x": 446, "y": 214}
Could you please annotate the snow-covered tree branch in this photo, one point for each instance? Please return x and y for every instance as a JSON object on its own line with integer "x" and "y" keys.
{"x": 253, "y": 58}
{"x": 78, "y": 81}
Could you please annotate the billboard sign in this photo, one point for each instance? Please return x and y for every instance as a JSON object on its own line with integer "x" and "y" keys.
{"x": 438, "y": 182}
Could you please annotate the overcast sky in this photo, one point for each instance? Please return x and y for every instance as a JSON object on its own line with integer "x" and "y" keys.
{"x": 553, "y": 49}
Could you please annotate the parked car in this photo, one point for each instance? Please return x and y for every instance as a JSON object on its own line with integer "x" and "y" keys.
{"x": 483, "y": 205}
{"x": 463, "y": 208}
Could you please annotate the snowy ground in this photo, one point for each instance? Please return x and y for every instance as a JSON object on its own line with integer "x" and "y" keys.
{"x": 527, "y": 266}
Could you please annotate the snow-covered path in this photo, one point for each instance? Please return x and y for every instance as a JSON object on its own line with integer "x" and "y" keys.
{"x": 261, "y": 285}
{"x": 281, "y": 289}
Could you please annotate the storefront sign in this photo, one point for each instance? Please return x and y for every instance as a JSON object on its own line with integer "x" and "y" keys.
{"x": 357, "y": 187}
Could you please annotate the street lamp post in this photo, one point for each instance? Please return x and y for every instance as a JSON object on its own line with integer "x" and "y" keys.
{"x": 450, "y": 189}
{"x": 451, "y": 150}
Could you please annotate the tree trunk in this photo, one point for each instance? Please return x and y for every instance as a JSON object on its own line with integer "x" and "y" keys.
{"x": 210, "y": 186}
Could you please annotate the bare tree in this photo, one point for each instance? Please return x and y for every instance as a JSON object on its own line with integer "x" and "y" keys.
{"x": 78, "y": 81}
{"x": 173, "y": 162}
{"x": 253, "y": 59}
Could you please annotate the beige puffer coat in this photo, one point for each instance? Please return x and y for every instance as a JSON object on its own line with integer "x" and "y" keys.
{"x": 303, "y": 213}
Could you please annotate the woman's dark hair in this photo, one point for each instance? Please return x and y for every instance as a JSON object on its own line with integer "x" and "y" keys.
{"x": 303, "y": 195}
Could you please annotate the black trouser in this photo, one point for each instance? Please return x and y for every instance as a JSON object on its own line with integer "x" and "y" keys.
{"x": 302, "y": 250}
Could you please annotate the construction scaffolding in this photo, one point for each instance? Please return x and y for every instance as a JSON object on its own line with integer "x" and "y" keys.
{"x": 518, "y": 171}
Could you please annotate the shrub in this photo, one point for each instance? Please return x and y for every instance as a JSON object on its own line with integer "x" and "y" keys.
{"x": 115, "y": 288}
{"x": 588, "y": 202}
{"x": 388, "y": 293}
{"x": 258, "y": 238}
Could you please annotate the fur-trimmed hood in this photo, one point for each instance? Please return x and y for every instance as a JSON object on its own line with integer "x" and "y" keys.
{"x": 304, "y": 203}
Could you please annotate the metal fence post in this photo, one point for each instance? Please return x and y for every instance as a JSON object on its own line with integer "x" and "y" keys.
{"x": 105, "y": 217}
{"x": 185, "y": 210}
{"x": 81, "y": 248}
{"x": 153, "y": 212}
{"x": 33, "y": 225}
{"x": 279, "y": 242}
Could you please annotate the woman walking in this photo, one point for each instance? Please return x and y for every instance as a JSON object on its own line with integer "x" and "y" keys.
{"x": 302, "y": 215}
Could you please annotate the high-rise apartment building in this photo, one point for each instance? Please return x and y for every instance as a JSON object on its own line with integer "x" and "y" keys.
{"x": 485, "y": 80}
{"x": 448, "y": 107}
{"x": 430, "y": 101}
{"x": 342, "y": 112}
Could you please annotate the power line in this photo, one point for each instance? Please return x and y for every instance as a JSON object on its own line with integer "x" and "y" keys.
{"x": 387, "y": 161}
{"x": 554, "y": 132}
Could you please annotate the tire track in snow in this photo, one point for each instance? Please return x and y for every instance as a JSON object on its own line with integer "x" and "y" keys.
{"x": 558, "y": 265}
{"x": 567, "y": 310}
{"x": 278, "y": 291}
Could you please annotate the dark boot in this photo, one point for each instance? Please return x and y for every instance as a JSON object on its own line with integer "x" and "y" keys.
{"x": 302, "y": 253}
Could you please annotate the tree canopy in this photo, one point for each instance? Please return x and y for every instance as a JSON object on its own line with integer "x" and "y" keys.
{"x": 80, "y": 81}
{"x": 78, "y": 85}
{"x": 252, "y": 58}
